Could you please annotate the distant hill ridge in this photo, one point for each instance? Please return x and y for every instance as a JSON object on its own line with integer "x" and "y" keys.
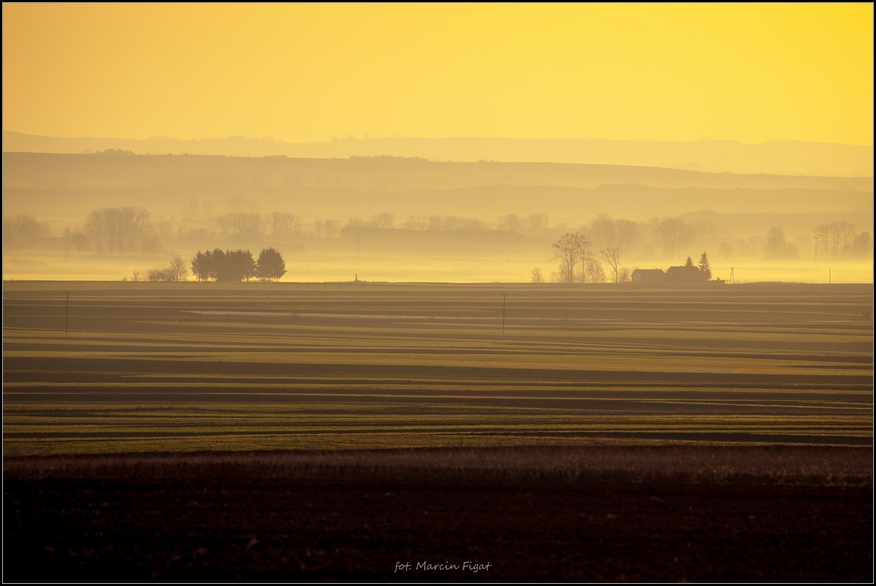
{"x": 714, "y": 156}
{"x": 371, "y": 174}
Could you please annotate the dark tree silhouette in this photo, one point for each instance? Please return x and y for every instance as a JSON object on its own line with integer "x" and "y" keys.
{"x": 270, "y": 265}
{"x": 235, "y": 265}
{"x": 704, "y": 267}
{"x": 230, "y": 265}
{"x": 201, "y": 265}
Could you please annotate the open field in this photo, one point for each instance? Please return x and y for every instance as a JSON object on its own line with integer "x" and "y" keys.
{"x": 312, "y": 432}
{"x": 164, "y": 367}
{"x": 579, "y": 514}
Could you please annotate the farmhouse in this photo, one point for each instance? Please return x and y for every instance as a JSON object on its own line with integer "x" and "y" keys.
{"x": 648, "y": 276}
{"x": 688, "y": 274}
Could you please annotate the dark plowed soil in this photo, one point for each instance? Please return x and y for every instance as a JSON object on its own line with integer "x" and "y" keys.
{"x": 289, "y": 530}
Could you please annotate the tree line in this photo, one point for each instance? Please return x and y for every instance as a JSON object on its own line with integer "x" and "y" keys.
{"x": 133, "y": 230}
{"x": 238, "y": 265}
{"x": 221, "y": 265}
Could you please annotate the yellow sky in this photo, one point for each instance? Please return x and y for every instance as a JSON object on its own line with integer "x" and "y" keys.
{"x": 308, "y": 72}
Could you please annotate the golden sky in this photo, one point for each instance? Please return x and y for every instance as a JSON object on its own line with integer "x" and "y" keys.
{"x": 309, "y": 72}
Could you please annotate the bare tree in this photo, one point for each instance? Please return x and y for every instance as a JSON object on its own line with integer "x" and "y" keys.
{"x": 240, "y": 224}
{"x": 383, "y": 221}
{"x": 593, "y": 271}
{"x": 627, "y": 233}
{"x": 331, "y": 228}
{"x": 603, "y": 232}
{"x": 843, "y": 231}
{"x": 862, "y": 245}
{"x": 612, "y": 256}
{"x": 822, "y": 238}
{"x": 777, "y": 245}
{"x": 510, "y": 223}
{"x": 569, "y": 250}
{"x": 537, "y": 277}
{"x": 121, "y": 230}
{"x": 537, "y": 223}
{"x": 285, "y": 224}
{"x": 673, "y": 234}
{"x": 77, "y": 240}
{"x": 178, "y": 269}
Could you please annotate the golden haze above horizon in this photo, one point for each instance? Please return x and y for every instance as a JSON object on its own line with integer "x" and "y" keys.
{"x": 310, "y": 72}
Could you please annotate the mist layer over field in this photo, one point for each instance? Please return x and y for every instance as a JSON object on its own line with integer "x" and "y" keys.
{"x": 108, "y": 216}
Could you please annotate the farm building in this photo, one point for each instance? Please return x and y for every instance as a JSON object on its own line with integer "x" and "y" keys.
{"x": 648, "y": 276}
{"x": 685, "y": 275}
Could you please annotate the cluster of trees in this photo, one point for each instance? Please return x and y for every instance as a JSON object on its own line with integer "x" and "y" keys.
{"x": 578, "y": 264}
{"x": 289, "y": 225}
{"x": 838, "y": 239}
{"x": 830, "y": 241}
{"x": 177, "y": 271}
{"x": 23, "y": 230}
{"x": 777, "y": 245}
{"x": 124, "y": 229}
{"x": 532, "y": 224}
{"x": 121, "y": 230}
{"x": 238, "y": 265}
{"x": 703, "y": 266}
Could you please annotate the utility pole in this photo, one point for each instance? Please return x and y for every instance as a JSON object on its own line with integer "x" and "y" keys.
{"x": 66, "y": 311}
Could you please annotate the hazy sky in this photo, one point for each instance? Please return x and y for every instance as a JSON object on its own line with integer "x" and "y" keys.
{"x": 308, "y": 72}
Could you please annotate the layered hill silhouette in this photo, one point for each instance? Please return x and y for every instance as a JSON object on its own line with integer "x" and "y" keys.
{"x": 70, "y": 185}
{"x": 777, "y": 157}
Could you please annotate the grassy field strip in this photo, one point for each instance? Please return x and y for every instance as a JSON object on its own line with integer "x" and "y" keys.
{"x": 845, "y": 427}
{"x": 710, "y": 397}
{"x": 520, "y": 315}
{"x": 549, "y": 340}
{"x": 370, "y": 442}
{"x": 511, "y": 345}
{"x": 444, "y": 405}
{"x": 330, "y": 422}
{"x": 760, "y": 399}
{"x": 321, "y": 384}
{"x": 289, "y": 415}
{"x": 291, "y": 336}
{"x": 379, "y": 441}
{"x": 613, "y": 362}
{"x": 635, "y": 329}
